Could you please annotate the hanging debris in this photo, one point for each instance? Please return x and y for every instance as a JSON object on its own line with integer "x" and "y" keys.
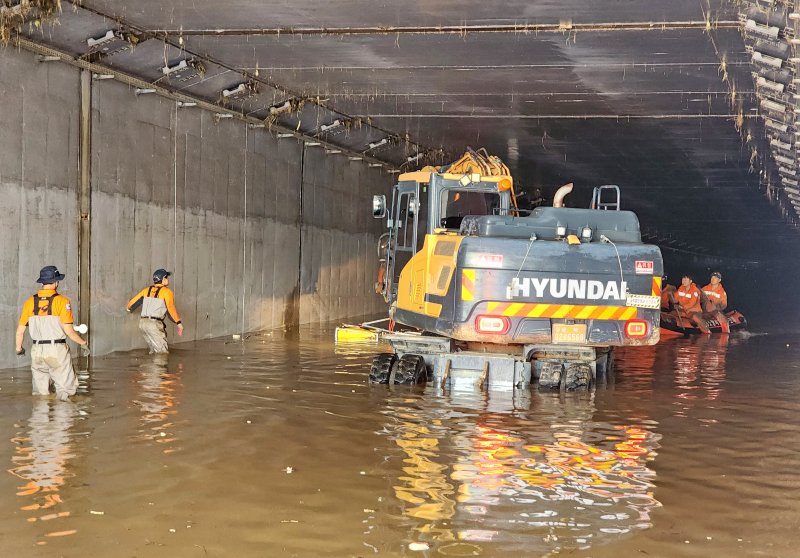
{"x": 15, "y": 13}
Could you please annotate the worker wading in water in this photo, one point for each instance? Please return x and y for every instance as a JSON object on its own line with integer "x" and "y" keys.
{"x": 157, "y": 302}
{"x": 49, "y": 316}
{"x": 687, "y": 297}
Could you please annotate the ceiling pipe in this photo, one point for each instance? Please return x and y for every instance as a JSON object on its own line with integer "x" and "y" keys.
{"x": 515, "y": 28}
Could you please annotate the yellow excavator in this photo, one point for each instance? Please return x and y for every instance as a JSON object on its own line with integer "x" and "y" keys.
{"x": 496, "y": 296}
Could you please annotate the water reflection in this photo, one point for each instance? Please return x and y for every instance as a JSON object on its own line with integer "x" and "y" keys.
{"x": 695, "y": 366}
{"x": 157, "y": 400}
{"x": 42, "y": 461}
{"x": 700, "y": 366}
{"x": 537, "y": 479}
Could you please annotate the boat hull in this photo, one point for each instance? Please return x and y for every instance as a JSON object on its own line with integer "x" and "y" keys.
{"x": 672, "y": 327}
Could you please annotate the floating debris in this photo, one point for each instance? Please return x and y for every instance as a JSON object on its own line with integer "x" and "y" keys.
{"x": 418, "y": 546}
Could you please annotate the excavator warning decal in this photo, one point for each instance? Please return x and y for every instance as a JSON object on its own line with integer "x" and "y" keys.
{"x": 468, "y": 284}
{"x": 581, "y": 312}
{"x": 656, "y": 286}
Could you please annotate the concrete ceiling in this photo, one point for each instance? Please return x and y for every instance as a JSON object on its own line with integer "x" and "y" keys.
{"x": 657, "y": 97}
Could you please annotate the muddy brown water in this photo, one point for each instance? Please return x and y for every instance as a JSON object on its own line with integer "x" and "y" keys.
{"x": 277, "y": 446}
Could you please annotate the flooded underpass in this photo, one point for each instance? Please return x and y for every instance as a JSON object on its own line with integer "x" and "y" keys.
{"x": 277, "y": 446}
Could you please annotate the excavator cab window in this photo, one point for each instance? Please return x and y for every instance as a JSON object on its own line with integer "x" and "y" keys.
{"x": 456, "y": 204}
{"x": 405, "y": 223}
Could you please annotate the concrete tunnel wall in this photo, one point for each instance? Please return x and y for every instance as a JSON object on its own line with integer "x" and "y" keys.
{"x": 259, "y": 232}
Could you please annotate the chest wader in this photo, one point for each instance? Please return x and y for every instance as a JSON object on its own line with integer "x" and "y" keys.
{"x": 50, "y": 358}
{"x": 151, "y": 323}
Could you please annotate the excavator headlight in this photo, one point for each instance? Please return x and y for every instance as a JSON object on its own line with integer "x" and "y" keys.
{"x": 586, "y": 234}
{"x": 498, "y": 325}
{"x": 561, "y": 231}
{"x": 636, "y": 328}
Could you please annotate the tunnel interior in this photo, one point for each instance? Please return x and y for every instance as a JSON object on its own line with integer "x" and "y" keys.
{"x": 240, "y": 142}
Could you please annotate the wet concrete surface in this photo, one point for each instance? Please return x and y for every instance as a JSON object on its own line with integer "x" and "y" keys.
{"x": 277, "y": 446}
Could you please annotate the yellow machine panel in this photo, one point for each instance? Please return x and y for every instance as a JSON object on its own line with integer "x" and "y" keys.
{"x": 429, "y": 272}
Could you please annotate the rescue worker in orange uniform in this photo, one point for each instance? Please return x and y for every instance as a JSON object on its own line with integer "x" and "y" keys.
{"x": 715, "y": 293}
{"x": 687, "y": 298}
{"x": 49, "y": 316}
{"x": 667, "y": 295}
{"x": 715, "y": 300}
{"x": 157, "y": 302}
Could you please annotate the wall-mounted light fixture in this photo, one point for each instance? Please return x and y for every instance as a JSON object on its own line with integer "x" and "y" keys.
{"x": 109, "y": 36}
{"x": 767, "y": 31}
{"x": 184, "y": 70}
{"x": 779, "y": 126}
{"x": 240, "y": 91}
{"x": 327, "y": 127}
{"x": 280, "y": 109}
{"x": 775, "y": 87}
{"x": 377, "y": 144}
{"x": 766, "y": 60}
{"x": 772, "y": 106}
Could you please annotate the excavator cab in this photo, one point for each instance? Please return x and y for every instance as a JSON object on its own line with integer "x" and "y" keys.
{"x": 435, "y": 201}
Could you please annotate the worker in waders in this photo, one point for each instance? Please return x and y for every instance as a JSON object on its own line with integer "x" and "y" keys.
{"x": 157, "y": 302}
{"x": 49, "y": 316}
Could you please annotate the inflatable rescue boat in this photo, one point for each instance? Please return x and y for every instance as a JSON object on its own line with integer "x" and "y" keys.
{"x": 674, "y": 326}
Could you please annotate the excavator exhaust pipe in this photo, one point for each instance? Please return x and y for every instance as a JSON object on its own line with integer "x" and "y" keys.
{"x": 558, "y": 199}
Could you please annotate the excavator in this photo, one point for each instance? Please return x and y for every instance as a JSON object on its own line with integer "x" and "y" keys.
{"x": 485, "y": 294}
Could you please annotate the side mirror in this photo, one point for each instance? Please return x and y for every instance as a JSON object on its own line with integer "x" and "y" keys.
{"x": 379, "y": 207}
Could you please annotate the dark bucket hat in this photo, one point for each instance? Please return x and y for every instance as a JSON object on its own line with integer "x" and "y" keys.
{"x": 49, "y": 274}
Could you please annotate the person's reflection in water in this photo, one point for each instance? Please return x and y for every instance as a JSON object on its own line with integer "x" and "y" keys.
{"x": 157, "y": 400}
{"x": 700, "y": 366}
{"x": 546, "y": 480}
{"x": 42, "y": 461}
